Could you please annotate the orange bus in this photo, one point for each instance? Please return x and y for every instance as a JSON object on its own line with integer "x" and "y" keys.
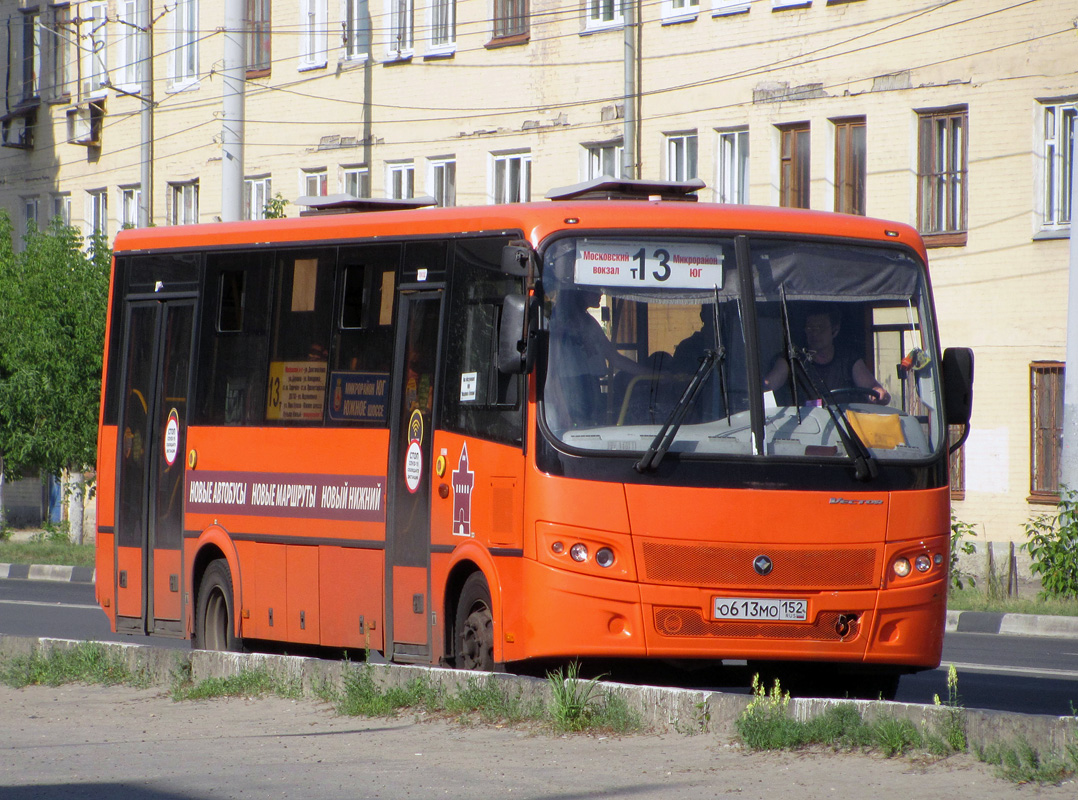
{"x": 616, "y": 424}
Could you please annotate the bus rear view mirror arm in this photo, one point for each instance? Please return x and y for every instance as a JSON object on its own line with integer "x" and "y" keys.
{"x": 958, "y": 389}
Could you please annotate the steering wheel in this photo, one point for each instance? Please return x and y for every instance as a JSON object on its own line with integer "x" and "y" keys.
{"x": 848, "y": 394}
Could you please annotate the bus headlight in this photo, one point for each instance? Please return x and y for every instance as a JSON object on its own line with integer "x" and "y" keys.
{"x": 923, "y": 563}
{"x": 901, "y": 567}
{"x": 604, "y": 557}
{"x": 579, "y": 552}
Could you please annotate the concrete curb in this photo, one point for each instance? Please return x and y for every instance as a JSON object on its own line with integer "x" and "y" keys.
{"x": 664, "y": 710}
{"x": 48, "y": 572}
{"x": 1012, "y": 624}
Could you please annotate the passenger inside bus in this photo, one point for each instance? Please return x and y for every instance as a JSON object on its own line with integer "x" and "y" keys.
{"x": 834, "y": 366}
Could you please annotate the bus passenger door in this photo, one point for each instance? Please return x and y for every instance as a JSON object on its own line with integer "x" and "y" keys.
{"x": 150, "y": 466}
{"x": 411, "y": 437}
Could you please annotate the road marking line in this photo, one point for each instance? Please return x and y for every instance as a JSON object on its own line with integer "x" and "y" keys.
{"x": 50, "y": 605}
{"x": 1042, "y": 672}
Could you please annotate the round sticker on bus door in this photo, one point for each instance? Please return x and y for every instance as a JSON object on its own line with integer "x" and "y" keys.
{"x": 413, "y": 457}
{"x": 172, "y": 437}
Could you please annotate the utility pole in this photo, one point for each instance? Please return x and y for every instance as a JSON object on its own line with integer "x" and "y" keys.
{"x": 235, "y": 71}
{"x": 628, "y": 145}
{"x": 1068, "y": 467}
{"x": 145, "y": 39}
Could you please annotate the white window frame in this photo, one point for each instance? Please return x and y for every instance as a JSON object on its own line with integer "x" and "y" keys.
{"x": 183, "y": 61}
{"x": 30, "y": 66}
{"x": 130, "y": 199}
{"x": 680, "y": 11}
{"x": 95, "y": 67}
{"x": 596, "y": 153}
{"x": 400, "y": 29}
{"x": 442, "y": 21}
{"x": 400, "y": 179}
{"x": 356, "y": 30}
{"x": 127, "y": 46}
{"x": 60, "y": 36}
{"x": 30, "y": 207}
{"x": 601, "y": 15}
{"x": 183, "y": 203}
{"x": 732, "y": 166}
{"x": 356, "y": 180}
{"x": 1059, "y": 126}
{"x": 97, "y": 212}
{"x": 682, "y": 156}
{"x": 257, "y": 192}
{"x": 502, "y": 166}
{"x": 314, "y": 182}
{"x": 778, "y": 5}
{"x": 720, "y": 8}
{"x": 442, "y": 180}
{"x": 314, "y": 35}
{"x": 61, "y": 207}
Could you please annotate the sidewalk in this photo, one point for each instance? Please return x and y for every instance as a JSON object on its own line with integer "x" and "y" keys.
{"x": 957, "y": 621}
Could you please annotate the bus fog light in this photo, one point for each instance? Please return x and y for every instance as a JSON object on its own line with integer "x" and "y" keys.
{"x": 579, "y": 552}
{"x": 558, "y": 548}
{"x": 902, "y": 567}
{"x": 923, "y": 563}
{"x": 604, "y": 557}
{"x": 937, "y": 559}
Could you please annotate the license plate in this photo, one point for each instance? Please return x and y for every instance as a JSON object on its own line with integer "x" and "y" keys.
{"x": 756, "y": 608}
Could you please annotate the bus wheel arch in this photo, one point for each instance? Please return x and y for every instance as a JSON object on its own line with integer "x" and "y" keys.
{"x": 469, "y": 604}
{"x": 215, "y": 548}
{"x": 215, "y": 610}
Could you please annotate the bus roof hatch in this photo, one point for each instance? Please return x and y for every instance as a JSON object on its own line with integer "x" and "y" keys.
{"x": 625, "y": 189}
{"x": 350, "y": 204}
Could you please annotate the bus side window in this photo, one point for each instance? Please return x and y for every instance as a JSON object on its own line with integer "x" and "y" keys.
{"x": 478, "y": 400}
{"x": 299, "y": 350}
{"x": 362, "y": 353}
{"x": 232, "y": 358}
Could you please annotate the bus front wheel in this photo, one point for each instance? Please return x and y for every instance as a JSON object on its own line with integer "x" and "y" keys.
{"x": 474, "y": 632}
{"x": 214, "y": 619}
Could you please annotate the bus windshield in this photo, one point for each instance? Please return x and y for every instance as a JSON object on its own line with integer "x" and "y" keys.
{"x": 651, "y": 336}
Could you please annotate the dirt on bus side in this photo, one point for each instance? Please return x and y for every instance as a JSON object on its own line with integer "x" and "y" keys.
{"x": 91, "y": 741}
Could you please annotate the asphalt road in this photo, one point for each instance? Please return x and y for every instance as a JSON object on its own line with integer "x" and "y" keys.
{"x": 1033, "y": 675}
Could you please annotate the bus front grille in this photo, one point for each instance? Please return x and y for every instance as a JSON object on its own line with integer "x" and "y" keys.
{"x": 690, "y": 622}
{"x": 731, "y": 566}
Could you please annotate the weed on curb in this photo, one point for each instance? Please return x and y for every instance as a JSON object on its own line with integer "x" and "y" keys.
{"x": 85, "y": 662}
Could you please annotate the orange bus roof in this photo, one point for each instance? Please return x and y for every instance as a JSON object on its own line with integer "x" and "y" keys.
{"x": 536, "y": 220}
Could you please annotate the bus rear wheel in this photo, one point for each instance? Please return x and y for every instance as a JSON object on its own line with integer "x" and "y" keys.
{"x": 474, "y": 632}
{"x": 214, "y": 619}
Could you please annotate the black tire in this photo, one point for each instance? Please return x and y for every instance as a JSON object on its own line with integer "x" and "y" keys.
{"x": 473, "y": 635}
{"x": 214, "y": 617}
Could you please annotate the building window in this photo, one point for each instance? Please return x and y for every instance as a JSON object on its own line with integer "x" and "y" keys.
{"x": 59, "y": 39}
{"x": 315, "y": 183}
{"x": 97, "y": 212}
{"x": 128, "y": 34}
{"x": 256, "y": 194}
{"x": 258, "y": 38}
{"x": 733, "y": 179}
{"x": 1045, "y": 429}
{"x": 401, "y": 28}
{"x": 96, "y": 71}
{"x": 183, "y": 64}
{"x": 680, "y": 10}
{"x": 313, "y": 35}
{"x": 357, "y": 29}
{"x": 512, "y": 178}
{"x": 604, "y": 14}
{"x": 356, "y": 181}
{"x": 130, "y": 198}
{"x": 30, "y": 209}
{"x": 778, "y": 5}
{"x": 443, "y": 25}
{"x": 794, "y": 166}
{"x": 61, "y": 207}
{"x": 850, "y": 170}
{"x": 604, "y": 160}
{"x": 400, "y": 180}
{"x": 443, "y": 181}
{"x": 942, "y": 138}
{"x": 680, "y": 156}
{"x": 183, "y": 203}
{"x": 31, "y": 55}
{"x": 510, "y": 18}
{"x": 722, "y": 7}
{"x": 1059, "y": 123}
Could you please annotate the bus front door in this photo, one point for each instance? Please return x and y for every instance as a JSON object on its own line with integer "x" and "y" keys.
{"x": 150, "y": 466}
{"x": 408, "y": 529}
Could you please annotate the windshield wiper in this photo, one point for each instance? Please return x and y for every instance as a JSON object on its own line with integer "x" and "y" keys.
{"x": 653, "y": 456}
{"x": 864, "y": 463}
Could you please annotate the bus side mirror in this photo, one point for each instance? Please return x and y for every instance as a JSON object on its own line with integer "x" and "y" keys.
{"x": 957, "y": 385}
{"x": 514, "y": 350}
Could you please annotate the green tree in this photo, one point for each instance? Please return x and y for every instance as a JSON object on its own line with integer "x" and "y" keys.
{"x": 53, "y": 297}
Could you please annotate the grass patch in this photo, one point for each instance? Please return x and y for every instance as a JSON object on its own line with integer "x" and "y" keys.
{"x": 1021, "y": 763}
{"x": 247, "y": 683}
{"x": 47, "y": 552}
{"x": 975, "y": 600}
{"x": 86, "y": 662}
